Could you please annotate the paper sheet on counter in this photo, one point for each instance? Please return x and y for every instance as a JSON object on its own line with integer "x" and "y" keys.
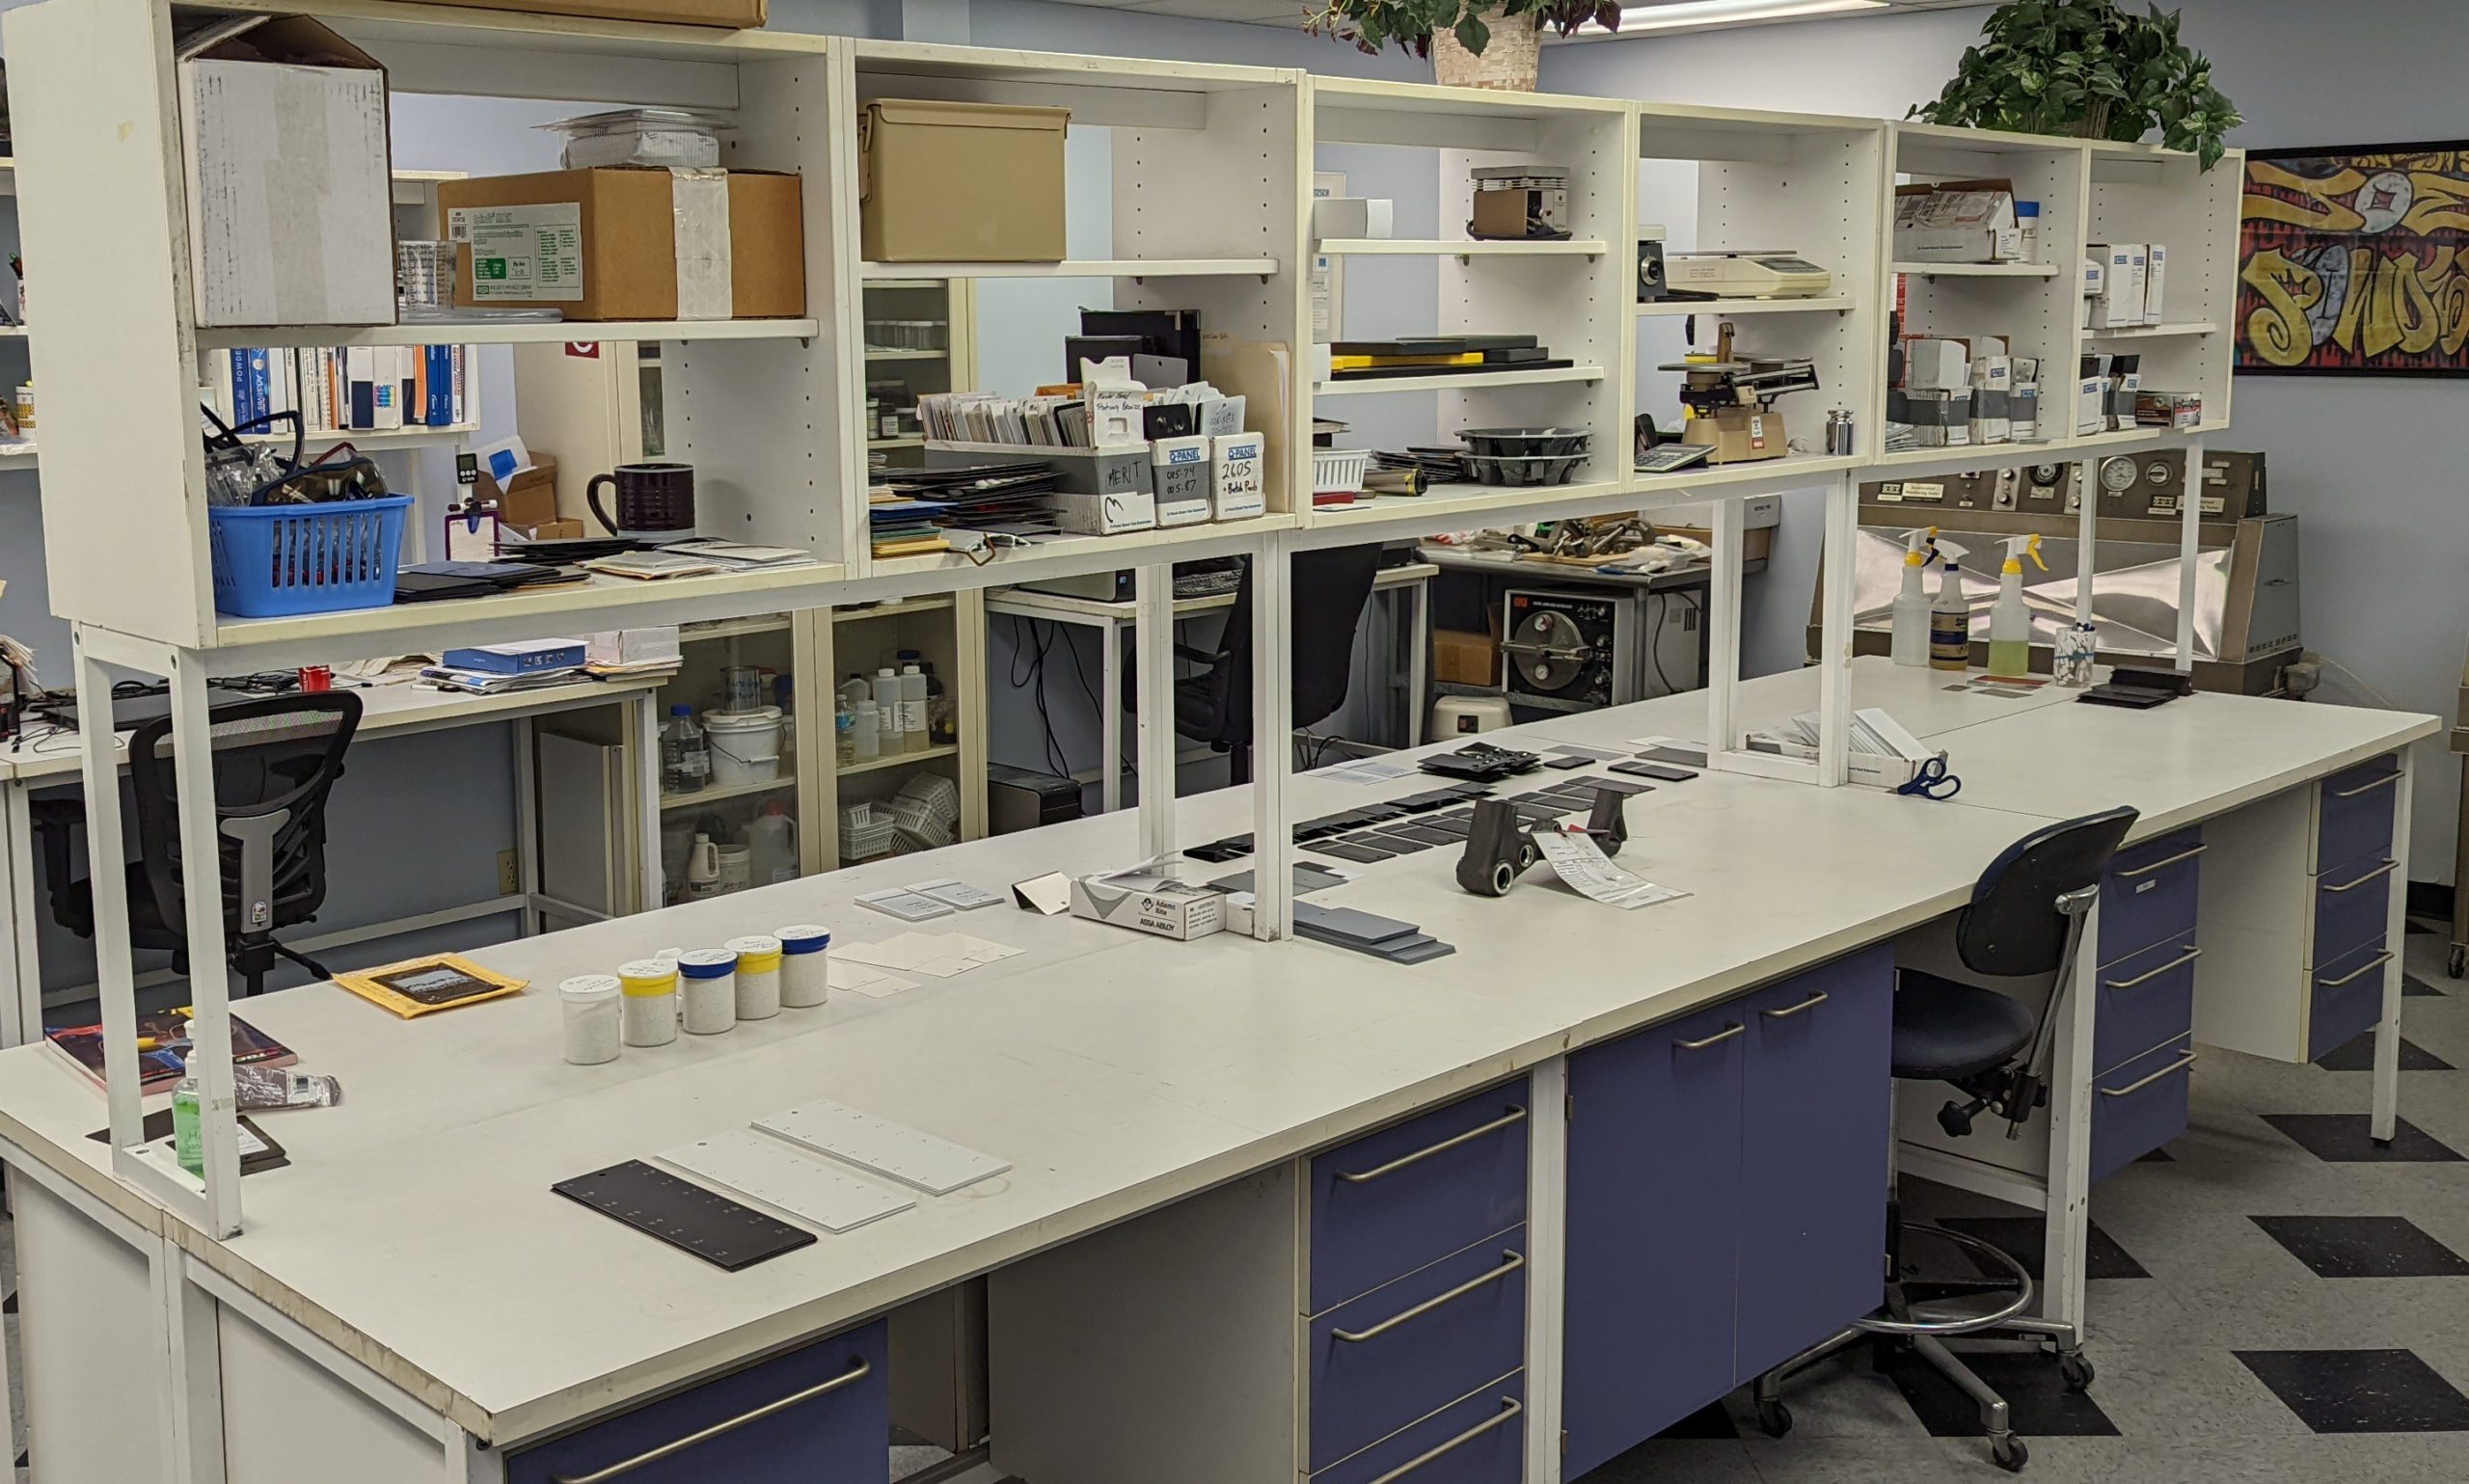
{"x": 1579, "y": 860}
{"x": 847, "y": 978}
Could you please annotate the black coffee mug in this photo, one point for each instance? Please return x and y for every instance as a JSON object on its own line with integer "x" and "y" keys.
{"x": 653, "y": 500}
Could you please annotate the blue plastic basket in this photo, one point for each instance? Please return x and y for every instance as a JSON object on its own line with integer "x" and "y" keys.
{"x": 274, "y": 561}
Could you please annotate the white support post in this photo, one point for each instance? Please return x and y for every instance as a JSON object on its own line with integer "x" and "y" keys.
{"x": 20, "y": 975}
{"x": 210, "y": 973}
{"x": 651, "y": 884}
{"x": 1723, "y": 638}
{"x": 1154, "y": 661}
{"x": 2396, "y": 927}
{"x": 527, "y": 824}
{"x": 2189, "y": 518}
{"x": 1109, "y": 714}
{"x": 1272, "y": 739}
{"x": 1547, "y": 1273}
{"x": 1834, "y": 634}
{"x": 2067, "y": 1241}
{"x": 2087, "y": 522}
{"x": 192, "y": 1350}
{"x": 115, "y": 974}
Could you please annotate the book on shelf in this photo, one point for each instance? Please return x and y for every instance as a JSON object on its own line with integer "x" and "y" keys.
{"x": 163, "y": 1049}
{"x": 343, "y": 390}
{"x": 654, "y": 566}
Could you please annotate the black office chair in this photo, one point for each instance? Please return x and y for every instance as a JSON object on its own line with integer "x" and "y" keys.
{"x": 276, "y": 760}
{"x": 2026, "y": 918}
{"x": 1329, "y": 588}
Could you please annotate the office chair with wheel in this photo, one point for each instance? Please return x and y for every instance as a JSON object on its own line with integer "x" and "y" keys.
{"x": 276, "y": 761}
{"x": 2026, "y": 918}
{"x": 1330, "y": 588}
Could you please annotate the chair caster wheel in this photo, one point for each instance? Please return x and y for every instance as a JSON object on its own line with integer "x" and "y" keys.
{"x": 1774, "y": 1419}
{"x": 2010, "y": 1454}
{"x": 2076, "y": 1371}
{"x": 2458, "y": 965}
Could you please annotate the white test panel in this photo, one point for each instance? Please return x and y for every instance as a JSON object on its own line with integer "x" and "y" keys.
{"x": 935, "y": 1166}
{"x": 779, "y": 1177}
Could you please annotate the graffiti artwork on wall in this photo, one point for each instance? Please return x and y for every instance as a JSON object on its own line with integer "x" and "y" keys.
{"x": 2355, "y": 261}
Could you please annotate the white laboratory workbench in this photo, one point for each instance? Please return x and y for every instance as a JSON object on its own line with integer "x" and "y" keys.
{"x": 1113, "y": 619}
{"x": 390, "y": 710}
{"x": 409, "y": 1295}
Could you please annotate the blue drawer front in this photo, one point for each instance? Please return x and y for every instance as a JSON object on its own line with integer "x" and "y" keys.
{"x": 2354, "y": 814}
{"x": 1653, "y": 1231}
{"x": 2149, "y": 894}
{"x": 2139, "y": 1106}
{"x": 2146, "y": 998}
{"x": 1400, "y": 1368}
{"x": 1481, "y": 1440}
{"x": 2353, "y": 907}
{"x": 1375, "y": 1226}
{"x": 2347, "y": 998}
{"x": 841, "y": 1437}
{"x": 1818, "y": 1115}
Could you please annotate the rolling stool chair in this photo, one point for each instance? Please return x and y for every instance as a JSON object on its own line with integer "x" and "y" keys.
{"x": 2025, "y": 917}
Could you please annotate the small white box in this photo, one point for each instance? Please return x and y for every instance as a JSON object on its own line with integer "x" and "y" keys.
{"x": 1993, "y": 373}
{"x": 2095, "y": 274}
{"x": 631, "y": 646}
{"x": 1237, "y": 490}
{"x": 2119, "y": 305}
{"x": 2091, "y": 404}
{"x": 1110, "y": 514}
{"x": 1147, "y": 903}
{"x": 287, "y": 224}
{"x": 2156, "y": 279}
{"x": 1180, "y": 468}
{"x": 1935, "y": 366}
{"x": 1369, "y": 217}
{"x": 2023, "y": 413}
{"x": 1961, "y": 222}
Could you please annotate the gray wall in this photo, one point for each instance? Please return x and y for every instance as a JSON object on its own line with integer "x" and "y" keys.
{"x": 2367, "y": 464}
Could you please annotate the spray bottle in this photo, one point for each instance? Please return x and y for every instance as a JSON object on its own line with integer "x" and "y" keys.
{"x": 2010, "y": 622}
{"x": 1912, "y": 604}
{"x": 1950, "y": 624}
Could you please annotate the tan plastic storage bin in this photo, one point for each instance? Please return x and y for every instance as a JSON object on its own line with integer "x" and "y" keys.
{"x": 959, "y": 183}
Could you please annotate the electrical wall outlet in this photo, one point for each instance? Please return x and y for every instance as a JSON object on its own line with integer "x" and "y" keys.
{"x": 510, "y": 880}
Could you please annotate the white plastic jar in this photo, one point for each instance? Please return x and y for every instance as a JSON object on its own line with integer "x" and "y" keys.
{"x": 648, "y": 988}
{"x": 707, "y": 985}
{"x": 806, "y": 965}
{"x": 758, "y": 975}
{"x": 593, "y": 1018}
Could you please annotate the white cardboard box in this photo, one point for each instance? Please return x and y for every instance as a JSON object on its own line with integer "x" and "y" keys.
{"x": 1104, "y": 515}
{"x": 2119, "y": 305}
{"x": 1236, "y": 490}
{"x": 2092, "y": 404}
{"x": 1182, "y": 472}
{"x": 1372, "y": 217}
{"x": 1935, "y": 366}
{"x": 2156, "y": 279}
{"x": 1959, "y": 222}
{"x": 278, "y": 237}
{"x": 1153, "y": 904}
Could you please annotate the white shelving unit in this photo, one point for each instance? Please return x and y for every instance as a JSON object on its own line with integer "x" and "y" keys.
{"x": 1399, "y": 247}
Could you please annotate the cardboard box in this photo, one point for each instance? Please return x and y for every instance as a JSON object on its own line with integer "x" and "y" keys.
{"x": 1180, "y": 470}
{"x": 528, "y": 499}
{"x": 548, "y": 530}
{"x": 1935, "y": 366}
{"x": 1957, "y": 222}
{"x": 1079, "y": 513}
{"x": 2156, "y": 281}
{"x": 2096, "y": 276}
{"x": 288, "y": 225}
{"x": 734, "y": 14}
{"x": 1237, "y": 466}
{"x": 1738, "y": 435}
{"x": 619, "y": 242}
{"x": 1462, "y": 659}
{"x": 2119, "y": 305}
{"x": 1153, "y": 904}
{"x": 959, "y": 183}
{"x": 2091, "y": 404}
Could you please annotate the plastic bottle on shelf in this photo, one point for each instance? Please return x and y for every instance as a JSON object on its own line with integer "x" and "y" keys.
{"x": 912, "y": 709}
{"x": 1950, "y": 624}
{"x": 887, "y": 709}
{"x": 686, "y": 762}
{"x": 855, "y": 690}
{"x": 942, "y": 724}
{"x": 1911, "y": 645}
{"x": 702, "y": 867}
{"x": 188, "y": 1129}
{"x": 772, "y": 845}
{"x": 2010, "y": 621}
{"x": 866, "y": 732}
{"x": 844, "y": 734}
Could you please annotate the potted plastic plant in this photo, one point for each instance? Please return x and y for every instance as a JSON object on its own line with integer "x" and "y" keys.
{"x": 1472, "y": 44}
{"x": 2088, "y": 69}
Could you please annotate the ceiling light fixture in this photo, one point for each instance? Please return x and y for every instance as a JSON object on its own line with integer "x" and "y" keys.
{"x": 1637, "y": 19}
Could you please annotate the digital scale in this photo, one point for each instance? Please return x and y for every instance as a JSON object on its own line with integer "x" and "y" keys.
{"x": 1745, "y": 274}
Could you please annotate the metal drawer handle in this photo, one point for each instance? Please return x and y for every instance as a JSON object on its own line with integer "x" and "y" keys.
{"x": 1789, "y": 1011}
{"x": 847, "y": 1378}
{"x": 2140, "y": 1083}
{"x": 2383, "y": 870}
{"x": 1510, "y": 1262}
{"x": 2179, "y": 963}
{"x": 1510, "y": 1413}
{"x": 2379, "y": 962}
{"x": 1716, "y": 1040}
{"x": 2162, "y": 865}
{"x": 1515, "y": 1114}
{"x": 2384, "y": 782}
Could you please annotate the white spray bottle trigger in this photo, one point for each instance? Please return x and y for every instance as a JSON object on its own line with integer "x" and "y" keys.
{"x": 2019, "y": 547}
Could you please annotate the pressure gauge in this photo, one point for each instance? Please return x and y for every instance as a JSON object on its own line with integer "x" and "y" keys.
{"x": 2117, "y": 475}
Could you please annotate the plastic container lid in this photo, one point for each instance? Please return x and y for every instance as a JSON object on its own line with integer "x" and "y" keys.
{"x": 755, "y": 720}
{"x": 757, "y": 951}
{"x": 804, "y": 939}
{"x": 706, "y": 962}
{"x": 648, "y": 976}
{"x": 588, "y": 988}
{"x": 681, "y": 709}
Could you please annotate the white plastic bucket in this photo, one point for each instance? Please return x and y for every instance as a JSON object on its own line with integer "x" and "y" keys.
{"x": 745, "y": 744}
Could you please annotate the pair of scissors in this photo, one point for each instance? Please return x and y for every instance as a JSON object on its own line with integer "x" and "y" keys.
{"x": 1932, "y": 781}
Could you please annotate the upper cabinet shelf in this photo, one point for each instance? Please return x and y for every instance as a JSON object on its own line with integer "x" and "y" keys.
{"x": 1081, "y": 268}
{"x": 576, "y": 332}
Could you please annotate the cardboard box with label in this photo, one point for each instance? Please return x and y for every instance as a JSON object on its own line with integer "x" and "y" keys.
{"x": 2119, "y": 305}
{"x": 1460, "y": 658}
{"x": 527, "y": 499}
{"x": 959, "y": 183}
{"x": 621, "y": 242}
{"x": 288, "y": 225}
{"x": 1932, "y": 365}
{"x": 1957, "y": 222}
{"x": 1238, "y": 464}
{"x": 1147, "y": 903}
{"x": 1738, "y": 435}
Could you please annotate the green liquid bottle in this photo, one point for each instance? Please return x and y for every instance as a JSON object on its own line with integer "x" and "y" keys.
{"x": 188, "y": 1130}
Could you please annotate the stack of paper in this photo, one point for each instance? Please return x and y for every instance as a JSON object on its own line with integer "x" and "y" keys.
{"x": 490, "y": 683}
{"x": 857, "y": 966}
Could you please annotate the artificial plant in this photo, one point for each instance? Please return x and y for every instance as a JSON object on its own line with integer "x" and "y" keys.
{"x": 2088, "y": 69}
{"x": 1374, "y": 25}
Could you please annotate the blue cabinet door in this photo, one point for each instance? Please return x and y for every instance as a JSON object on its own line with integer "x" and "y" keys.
{"x": 1415, "y": 1192}
{"x": 1816, "y": 1115}
{"x": 1654, "y": 1171}
{"x": 837, "y": 1434}
{"x": 1408, "y": 1348}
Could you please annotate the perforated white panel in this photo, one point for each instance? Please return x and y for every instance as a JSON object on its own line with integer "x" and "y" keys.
{"x": 777, "y": 1176}
{"x": 935, "y": 1166}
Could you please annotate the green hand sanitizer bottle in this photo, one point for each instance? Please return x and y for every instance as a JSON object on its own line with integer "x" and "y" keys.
{"x": 188, "y": 1130}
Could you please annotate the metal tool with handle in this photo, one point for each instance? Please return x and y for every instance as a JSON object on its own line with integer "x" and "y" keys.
{"x": 1510, "y": 1410}
{"x": 1515, "y": 1114}
{"x": 1510, "y": 1262}
{"x": 649, "y": 1456}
